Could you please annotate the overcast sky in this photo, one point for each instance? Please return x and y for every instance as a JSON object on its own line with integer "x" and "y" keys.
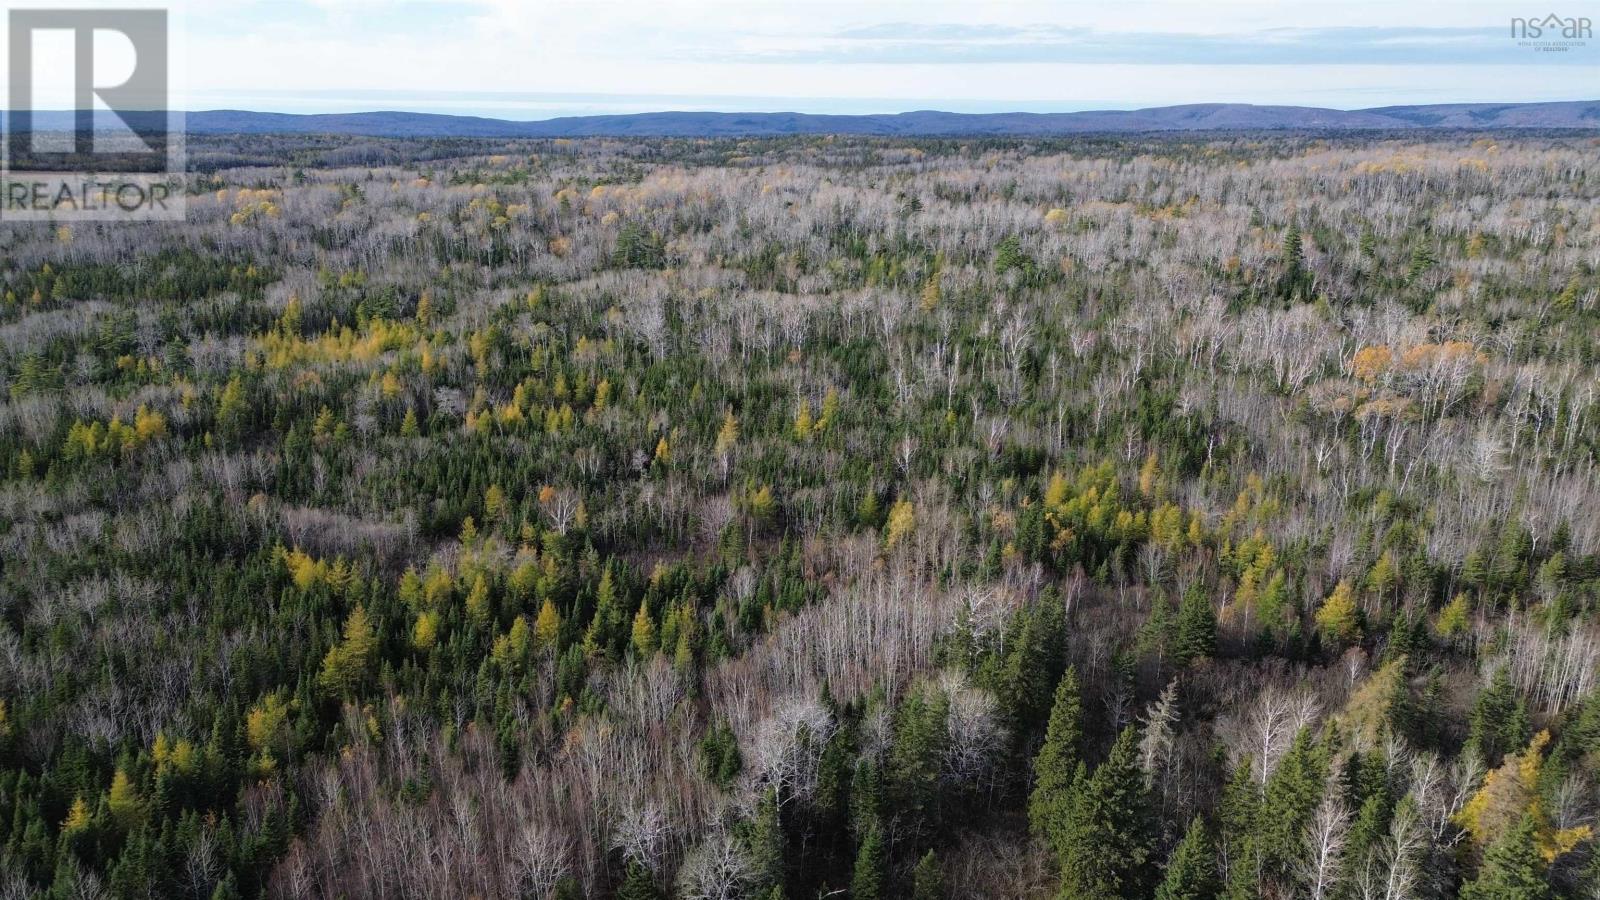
{"x": 528, "y": 59}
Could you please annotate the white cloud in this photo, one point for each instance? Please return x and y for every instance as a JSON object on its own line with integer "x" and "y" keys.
{"x": 707, "y": 47}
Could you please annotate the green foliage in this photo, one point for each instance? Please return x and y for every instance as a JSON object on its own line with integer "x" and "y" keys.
{"x": 638, "y": 884}
{"x": 463, "y": 479}
{"x": 1287, "y": 805}
{"x": 1498, "y": 723}
{"x": 764, "y": 844}
{"x": 1196, "y": 629}
{"x": 927, "y": 879}
{"x": 719, "y": 756}
{"x": 1512, "y": 869}
{"x": 1191, "y": 872}
{"x": 870, "y": 878}
{"x": 916, "y": 758}
{"x": 1056, "y": 767}
{"x": 1107, "y": 841}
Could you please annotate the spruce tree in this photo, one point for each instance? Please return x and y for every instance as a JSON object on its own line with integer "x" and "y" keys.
{"x": 1107, "y": 841}
{"x": 870, "y": 877}
{"x": 1196, "y": 627}
{"x": 1055, "y": 766}
{"x": 916, "y": 758}
{"x": 227, "y": 889}
{"x": 927, "y": 880}
{"x": 638, "y": 884}
{"x": 1288, "y": 803}
{"x": 1511, "y": 868}
{"x": 1499, "y": 720}
{"x": 763, "y": 838}
{"x": 1192, "y": 868}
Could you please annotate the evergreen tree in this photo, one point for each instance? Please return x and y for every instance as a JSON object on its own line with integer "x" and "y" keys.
{"x": 1155, "y": 635}
{"x": 1293, "y": 254}
{"x": 763, "y": 840}
{"x": 719, "y": 755}
{"x": 1196, "y": 636}
{"x": 927, "y": 880}
{"x": 1107, "y": 841}
{"x": 1512, "y": 868}
{"x": 227, "y": 889}
{"x": 1498, "y": 723}
{"x": 917, "y": 756}
{"x": 1287, "y": 805}
{"x": 1032, "y": 667}
{"x": 1055, "y": 766}
{"x": 1192, "y": 868}
{"x": 1236, "y": 813}
{"x": 869, "y": 879}
{"x": 638, "y": 883}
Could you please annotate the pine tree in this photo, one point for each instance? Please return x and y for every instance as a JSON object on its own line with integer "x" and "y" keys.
{"x": 868, "y": 881}
{"x": 1474, "y": 571}
{"x": 1031, "y": 669}
{"x": 1237, "y": 811}
{"x": 1293, "y": 253}
{"x": 1156, "y": 634}
{"x": 1192, "y": 868}
{"x": 1055, "y": 766}
{"x": 1107, "y": 842}
{"x": 1511, "y": 868}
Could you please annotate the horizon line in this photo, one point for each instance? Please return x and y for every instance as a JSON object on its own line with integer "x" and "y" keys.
{"x": 692, "y": 110}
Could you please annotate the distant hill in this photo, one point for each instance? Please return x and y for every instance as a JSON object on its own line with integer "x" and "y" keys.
{"x": 1583, "y": 114}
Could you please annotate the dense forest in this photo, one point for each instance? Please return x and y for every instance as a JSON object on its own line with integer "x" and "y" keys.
{"x": 1136, "y": 518}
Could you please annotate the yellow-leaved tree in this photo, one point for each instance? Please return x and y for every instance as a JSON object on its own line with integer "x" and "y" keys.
{"x": 644, "y": 632}
{"x": 124, "y": 802}
{"x": 425, "y": 636}
{"x": 902, "y": 519}
{"x": 803, "y": 422}
{"x": 264, "y": 726}
{"x": 728, "y": 434}
{"x": 1338, "y": 618}
{"x": 547, "y": 627}
{"x": 479, "y": 609}
{"x": 1453, "y": 619}
{"x": 1511, "y": 792}
{"x": 347, "y": 662}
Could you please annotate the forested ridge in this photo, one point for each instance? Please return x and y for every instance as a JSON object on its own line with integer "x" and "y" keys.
{"x": 1137, "y": 518}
